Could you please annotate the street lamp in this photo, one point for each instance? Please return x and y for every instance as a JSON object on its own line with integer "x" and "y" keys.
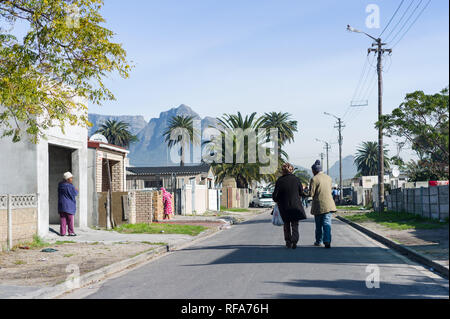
{"x": 350, "y": 29}
{"x": 380, "y": 51}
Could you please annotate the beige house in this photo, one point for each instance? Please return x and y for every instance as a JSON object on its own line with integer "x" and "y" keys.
{"x": 106, "y": 162}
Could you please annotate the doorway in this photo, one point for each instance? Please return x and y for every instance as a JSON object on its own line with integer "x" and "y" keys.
{"x": 59, "y": 162}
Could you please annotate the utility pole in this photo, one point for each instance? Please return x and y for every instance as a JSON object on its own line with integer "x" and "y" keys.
{"x": 327, "y": 147}
{"x": 339, "y": 126}
{"x": 379, "y": 51}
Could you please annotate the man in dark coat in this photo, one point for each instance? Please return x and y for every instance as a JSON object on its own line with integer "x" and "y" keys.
{"x": 288, "y": 196}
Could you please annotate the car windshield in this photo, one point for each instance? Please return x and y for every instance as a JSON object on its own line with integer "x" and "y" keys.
{"x": 266, "y": 196}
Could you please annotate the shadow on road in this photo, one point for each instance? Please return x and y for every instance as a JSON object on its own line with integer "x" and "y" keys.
{"x": 346, "y": 288}
{"x": 248, "y": 254}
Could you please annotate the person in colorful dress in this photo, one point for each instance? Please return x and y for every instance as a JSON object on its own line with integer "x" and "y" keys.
{"x": 167, "y": 202}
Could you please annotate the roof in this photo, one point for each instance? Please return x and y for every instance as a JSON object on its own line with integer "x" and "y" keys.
{"x": 94, "y": 144}
{"x": 168, "y": 170}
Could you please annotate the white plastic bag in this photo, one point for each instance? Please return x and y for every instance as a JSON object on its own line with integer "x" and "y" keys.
{"x": 276, "y": 217}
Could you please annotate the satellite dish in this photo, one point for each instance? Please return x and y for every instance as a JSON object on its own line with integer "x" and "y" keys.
{"x": 395, "y": 172}
{"x": 99, "y": 138}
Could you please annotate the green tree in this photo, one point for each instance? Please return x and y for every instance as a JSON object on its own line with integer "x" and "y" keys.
{"x": 48, "y": 77}
{"x": 286, "y": 129}
{"x": 420, "y": 171}
{"x": 244, "y": 173}
{"x": 117, "y": 133}
{"x": 366, "y": 159}
{"x": 182, "y": 127}
{"x": 398, "y": 161}
{"x": 423, "y": 122}
{"x": 303, "y": 175}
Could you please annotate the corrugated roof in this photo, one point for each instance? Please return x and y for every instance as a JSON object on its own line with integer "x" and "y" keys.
{"x": 168, "y": 170}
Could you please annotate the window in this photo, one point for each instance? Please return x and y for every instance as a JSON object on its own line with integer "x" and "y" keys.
{"x": 152, "y": 184}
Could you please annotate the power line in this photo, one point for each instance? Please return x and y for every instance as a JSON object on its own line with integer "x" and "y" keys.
{"x": 357, "y": 86}
{"x": 358, "y": 96}
{"x": 392, "y": 18}
{"x": 406, "y": 22}
{"x": 399, "y": 21}
{"x": 410, "y": 26}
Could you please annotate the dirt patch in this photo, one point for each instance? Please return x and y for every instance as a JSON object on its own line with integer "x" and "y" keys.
{"x": 35, "y": 268}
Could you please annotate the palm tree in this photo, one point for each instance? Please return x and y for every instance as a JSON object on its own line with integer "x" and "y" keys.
{"x": 303, "y": 175}
{"x": 243, "y": 173}
{"x": 182, "y": 126}
{"x": 117, "y": 133}
{"x": 285, "y": 126}
{"x": 366, "y": 159}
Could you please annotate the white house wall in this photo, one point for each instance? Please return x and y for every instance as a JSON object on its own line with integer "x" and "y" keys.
{"x": 18, "y": 173}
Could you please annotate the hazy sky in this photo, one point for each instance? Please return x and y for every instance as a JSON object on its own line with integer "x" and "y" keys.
{"x": 290, "y": 56}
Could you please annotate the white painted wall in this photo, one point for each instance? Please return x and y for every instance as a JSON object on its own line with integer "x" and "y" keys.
{"x": 24, "y": 169}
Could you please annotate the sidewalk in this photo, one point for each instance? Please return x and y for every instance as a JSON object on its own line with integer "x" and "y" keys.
{"x": 95, "y": 254}
{"x": 88, "y": 235}
{"x": 431, "y": 244}
{"x": 92, "y": 254}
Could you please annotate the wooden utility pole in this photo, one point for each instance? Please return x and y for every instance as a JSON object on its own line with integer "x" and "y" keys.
{"x": 328, "y": 148}
{"x": 380, "y": 51}
{"x": 340, "y": 127}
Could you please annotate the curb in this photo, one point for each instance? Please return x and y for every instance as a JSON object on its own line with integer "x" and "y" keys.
{"x": 102, "y": 273}
{"x": 408, "y": 252}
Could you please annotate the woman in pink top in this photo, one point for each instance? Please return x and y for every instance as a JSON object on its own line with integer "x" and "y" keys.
{"x": 167, "y": 202}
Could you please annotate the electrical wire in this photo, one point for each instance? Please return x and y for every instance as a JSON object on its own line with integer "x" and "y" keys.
{"x": 410, "y": 26}
{"x": 406, "y": 22}
{"x": 401, "y": 18}
{"x": 392, "y": 18}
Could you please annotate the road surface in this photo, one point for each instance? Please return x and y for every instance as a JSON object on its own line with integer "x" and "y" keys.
{"x": 249, "y": 260}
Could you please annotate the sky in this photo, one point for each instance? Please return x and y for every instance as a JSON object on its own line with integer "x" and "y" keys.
{"x": 225, "y": 56}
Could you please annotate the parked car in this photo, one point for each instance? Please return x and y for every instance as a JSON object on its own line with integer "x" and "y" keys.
{"x": 263, "y": 200}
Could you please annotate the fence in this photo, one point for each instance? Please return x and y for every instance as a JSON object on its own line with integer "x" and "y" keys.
{"x": 197, "y": 199}
{"x": 431, "y": 202}
{"x": 18, "y": 219}
{"x": 235, "y": 197}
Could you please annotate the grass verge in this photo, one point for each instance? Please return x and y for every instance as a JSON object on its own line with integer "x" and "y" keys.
{"x": 398, "y": 220}
{"x": 143, "y": 228}
{"x": 237, "y": 210}
{"x": 350, "y": 207}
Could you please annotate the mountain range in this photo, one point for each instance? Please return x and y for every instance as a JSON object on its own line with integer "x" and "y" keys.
{"x": 152, "y": 150}
{"x": 349, "y": 169}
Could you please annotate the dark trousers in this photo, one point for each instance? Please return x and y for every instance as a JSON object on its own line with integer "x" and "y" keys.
{"x": 291, "y": 232}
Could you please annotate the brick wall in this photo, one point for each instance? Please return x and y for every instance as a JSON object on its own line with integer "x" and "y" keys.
{"x": 144, "y": 207}
{"x": 116, "y": 170}
{"x": 24, "y": 226}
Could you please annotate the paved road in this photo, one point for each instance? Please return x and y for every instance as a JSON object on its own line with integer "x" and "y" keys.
{"x": 250, "y": 261}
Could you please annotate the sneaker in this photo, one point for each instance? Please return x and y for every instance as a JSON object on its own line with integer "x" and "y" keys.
{"x": 327, "y": 245}
{"x": 294, "y": 246}
{"x": 317, "y": 244}
{"x": 72, "y": 235}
